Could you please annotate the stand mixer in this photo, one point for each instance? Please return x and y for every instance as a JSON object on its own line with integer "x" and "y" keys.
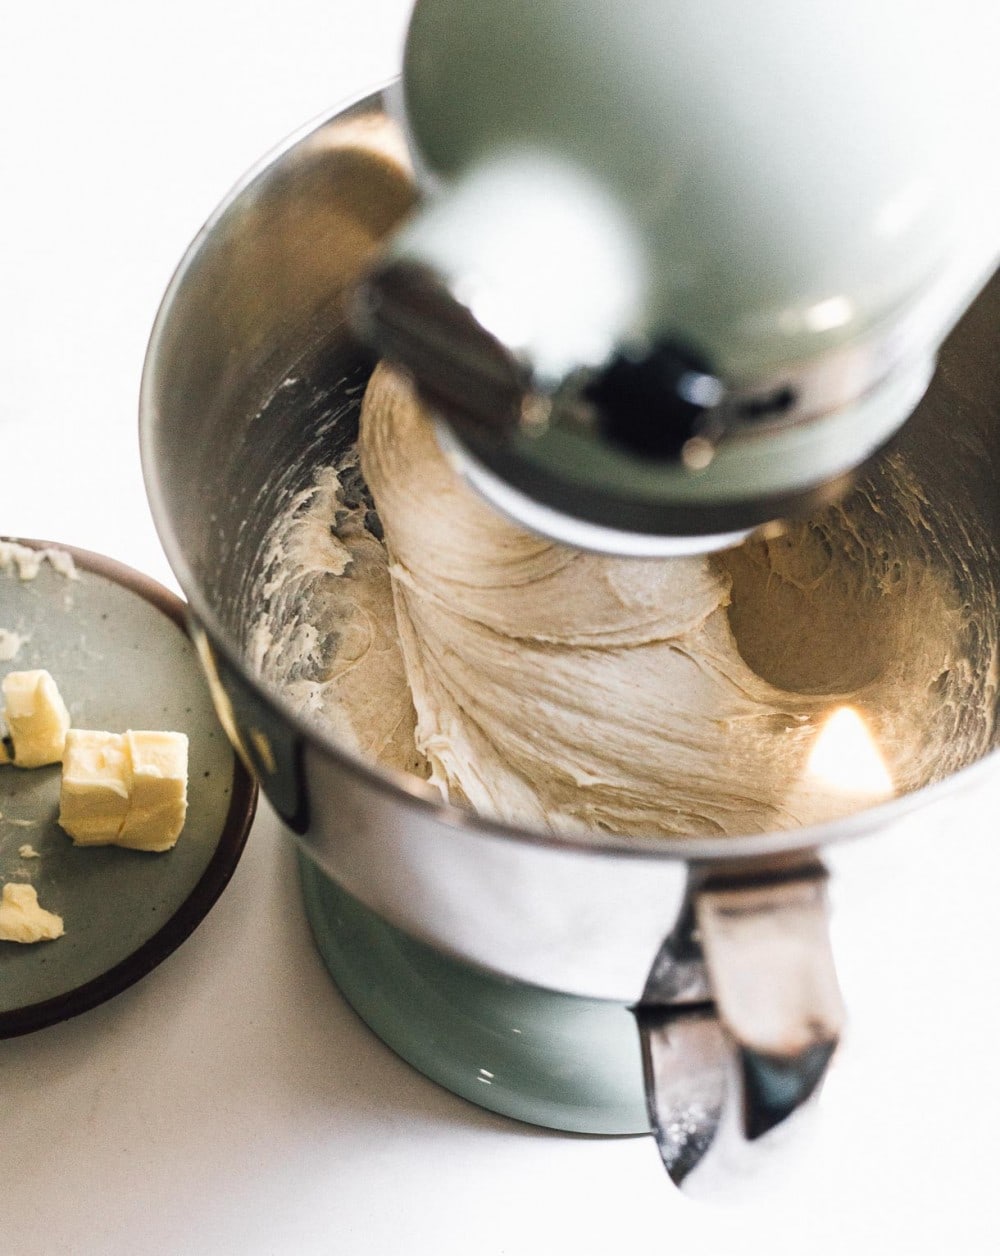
{"x": 665, "y": 273}
{"x": 681, "y": 269}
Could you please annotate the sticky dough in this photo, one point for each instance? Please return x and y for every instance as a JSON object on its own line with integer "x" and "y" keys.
{"x": 563, "y": 690}
{"x": 560, "y": 689}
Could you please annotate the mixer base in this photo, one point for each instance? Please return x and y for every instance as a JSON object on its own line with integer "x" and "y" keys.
{"x": 536, "y": 1055}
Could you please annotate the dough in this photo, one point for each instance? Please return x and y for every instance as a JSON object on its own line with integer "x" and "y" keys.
{"x": 325, "y": 634}
{"x": 560, "y": 689}
{"x": 563, "y": 690}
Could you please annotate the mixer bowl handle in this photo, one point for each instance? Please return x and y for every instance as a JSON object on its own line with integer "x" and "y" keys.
{"x": 729, "y": 1077}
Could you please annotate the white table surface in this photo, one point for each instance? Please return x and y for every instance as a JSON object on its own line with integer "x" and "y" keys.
{"x": 231, "y": 1101}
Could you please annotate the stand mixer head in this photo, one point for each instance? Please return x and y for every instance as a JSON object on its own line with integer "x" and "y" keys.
{"x": 679, "y": 271}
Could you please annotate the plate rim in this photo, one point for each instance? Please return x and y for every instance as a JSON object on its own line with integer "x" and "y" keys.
{"x": 207, "y": 889}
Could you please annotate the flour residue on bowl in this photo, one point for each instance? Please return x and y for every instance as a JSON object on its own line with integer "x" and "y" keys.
{"x": 563, "y": 690}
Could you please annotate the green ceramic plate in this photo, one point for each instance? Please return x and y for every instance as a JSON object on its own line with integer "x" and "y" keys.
{"x": 116, "y": 644}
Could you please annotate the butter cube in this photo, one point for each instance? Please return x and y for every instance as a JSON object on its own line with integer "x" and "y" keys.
{"x": 36, "y": 717}
{"x": 158, "y": 770}
{"x": 23, "y": 920}
{"x": 94, "y": 795}
{"x": 124, "y": 789}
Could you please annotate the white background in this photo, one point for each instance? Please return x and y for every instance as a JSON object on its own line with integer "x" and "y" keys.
{"x": 231, "y": 1102}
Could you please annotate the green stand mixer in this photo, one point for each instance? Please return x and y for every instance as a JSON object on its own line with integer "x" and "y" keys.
{"x": 666, "y": 272}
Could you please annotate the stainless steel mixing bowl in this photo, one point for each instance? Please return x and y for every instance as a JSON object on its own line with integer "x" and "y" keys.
{"x": 254, "y": 378}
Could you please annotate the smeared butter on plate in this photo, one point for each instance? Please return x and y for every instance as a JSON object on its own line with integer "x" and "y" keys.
{"x": 10, "y": 644}
{"x": 27, "y": 561}
{"x": 22, "y": 919}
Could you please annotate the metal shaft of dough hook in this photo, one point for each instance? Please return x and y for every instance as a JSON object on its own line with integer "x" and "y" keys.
{"x": 726, "y": 1074}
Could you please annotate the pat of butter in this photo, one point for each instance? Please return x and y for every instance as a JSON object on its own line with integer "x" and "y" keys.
{"x": 124, "y": 789}
{"x": 157, "y": 803}
{"x": 93, "y": 798}
{"x": 36, "y": 718}
{"x": 23, "y": 920}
